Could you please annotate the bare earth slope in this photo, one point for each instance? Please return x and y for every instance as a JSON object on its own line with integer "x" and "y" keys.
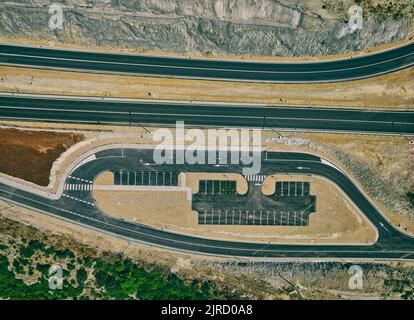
{"x": 29, "y": 155}
{"x": 218, "y": 27}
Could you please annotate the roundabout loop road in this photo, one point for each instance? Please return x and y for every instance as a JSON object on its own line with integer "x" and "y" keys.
{"x": 391, "y": 243}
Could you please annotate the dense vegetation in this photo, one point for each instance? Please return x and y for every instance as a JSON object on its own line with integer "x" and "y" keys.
{"x": 384, "y": 9}
{"x": 27, "y": 254}
{"x": 410, "y": 198}
{"x": 26, "y": 276}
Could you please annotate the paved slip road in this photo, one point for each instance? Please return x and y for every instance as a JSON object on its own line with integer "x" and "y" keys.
{"x": 78, "y": 206}
{"x": 98, "y": 111}
{"x": 325, "y": 71}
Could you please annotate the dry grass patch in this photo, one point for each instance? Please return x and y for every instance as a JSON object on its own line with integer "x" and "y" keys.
{"x": 391, "y": 91}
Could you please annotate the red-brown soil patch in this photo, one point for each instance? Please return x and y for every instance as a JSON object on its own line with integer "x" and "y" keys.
{"x": 29, "y": 155}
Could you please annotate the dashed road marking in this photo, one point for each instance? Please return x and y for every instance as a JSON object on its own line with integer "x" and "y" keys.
{"x": 79, "y": 200}
{"x": 80, "y": 179}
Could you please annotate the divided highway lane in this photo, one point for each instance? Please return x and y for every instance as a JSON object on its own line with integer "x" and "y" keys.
{"x": 391, "y": 243}
{"x": 167, "y": 113}
{"x": 326, "y": 71}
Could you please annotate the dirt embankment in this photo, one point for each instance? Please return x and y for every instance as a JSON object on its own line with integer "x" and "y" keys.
{"x": 391, "y": 91}
{"x": 29, "y": 155}
{"x": 383, "y": 165}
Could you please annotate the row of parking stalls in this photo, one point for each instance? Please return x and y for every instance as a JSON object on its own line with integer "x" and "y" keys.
{"x": 260, "y": 218}
{"x": 214, "y": 187}
{"x": 146, "y": 178}
{"x": 292, "y": 188}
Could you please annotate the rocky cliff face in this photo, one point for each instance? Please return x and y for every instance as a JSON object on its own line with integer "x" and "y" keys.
{"x": 223, "y": 27}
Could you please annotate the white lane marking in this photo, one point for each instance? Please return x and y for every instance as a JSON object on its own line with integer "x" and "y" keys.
{"x": 217, "y": 78}
{"x": 80, "y": 179}
{"x": 159, "y": 237}
{"x": 197, "y": 115}
{"x": 287, "y": 129}
{"x": 202, "y": 68}
{"x": 324, "y": 161}
{"x": 79, "y": 200}
{"x": 175, "y": 103}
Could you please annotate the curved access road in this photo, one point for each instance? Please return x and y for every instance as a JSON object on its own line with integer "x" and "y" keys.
{"x": 359, "y": 67}
{"x": 77, "y": 205}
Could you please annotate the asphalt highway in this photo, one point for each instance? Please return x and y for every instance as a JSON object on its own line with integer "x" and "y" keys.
{"x": 98, "y": 111}
{"x": 358, "y": 67}
{"x": 78, "y": 206}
